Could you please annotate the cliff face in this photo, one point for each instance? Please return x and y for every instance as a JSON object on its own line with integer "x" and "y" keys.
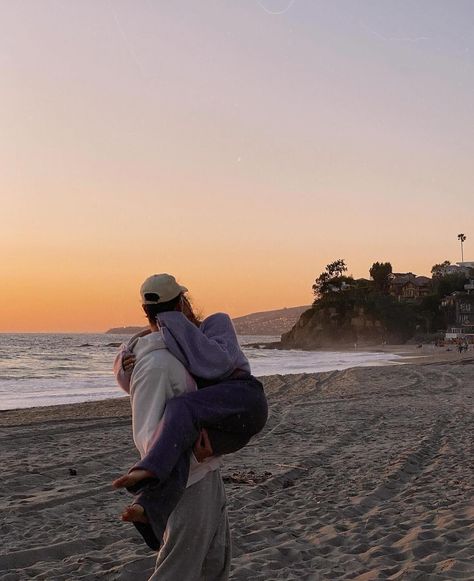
{"x": 326, "y": 328}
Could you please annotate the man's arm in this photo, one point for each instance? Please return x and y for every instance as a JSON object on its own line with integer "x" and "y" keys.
{"x": 151, "y": 390}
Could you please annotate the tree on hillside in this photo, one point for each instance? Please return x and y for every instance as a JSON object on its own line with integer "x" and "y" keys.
{"x": 336, "y": 268}
{"x": 449, "y": 283}
{"x": 430, "y": 313}
{"x": 331, "y": 279}
{"x": 380, "y": 273}
{"x": 438, "y": 270}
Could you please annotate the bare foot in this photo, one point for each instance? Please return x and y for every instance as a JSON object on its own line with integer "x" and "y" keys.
{"x": 132, "y": 478}
{"x": 134, "y": 513}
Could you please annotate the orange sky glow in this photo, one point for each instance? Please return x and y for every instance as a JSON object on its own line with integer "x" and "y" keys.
{"x": 238, "y": 149}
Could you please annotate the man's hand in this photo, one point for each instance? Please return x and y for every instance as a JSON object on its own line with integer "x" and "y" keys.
{"x": 128, "y": 362}
{"x": 202, "y": 448}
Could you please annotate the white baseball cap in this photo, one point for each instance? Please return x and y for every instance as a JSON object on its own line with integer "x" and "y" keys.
{"x": 160, "y": 288}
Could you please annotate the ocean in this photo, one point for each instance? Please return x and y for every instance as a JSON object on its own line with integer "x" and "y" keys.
{"x": 50, "y": 369}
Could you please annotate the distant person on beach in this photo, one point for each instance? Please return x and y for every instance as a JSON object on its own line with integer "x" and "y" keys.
{"x": 230, "y": 403}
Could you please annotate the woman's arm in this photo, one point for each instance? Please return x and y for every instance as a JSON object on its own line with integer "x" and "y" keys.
{"x": 123, "y": 375}
{"x": 125, "y": 360}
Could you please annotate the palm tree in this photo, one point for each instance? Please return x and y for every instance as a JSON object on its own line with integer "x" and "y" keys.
{"x": 462, "y": 239}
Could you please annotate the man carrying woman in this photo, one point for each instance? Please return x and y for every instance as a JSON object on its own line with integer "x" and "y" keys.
{"x": 227, "y": 409}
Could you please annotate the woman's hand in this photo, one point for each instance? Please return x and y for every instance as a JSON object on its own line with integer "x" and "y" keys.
{"x": 202, "y": 448}
{"x": 128, "y": 362}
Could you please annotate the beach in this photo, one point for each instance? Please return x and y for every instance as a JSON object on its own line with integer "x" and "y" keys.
{"x": 364, "y": 474}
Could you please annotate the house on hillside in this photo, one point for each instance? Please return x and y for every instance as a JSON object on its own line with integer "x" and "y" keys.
{"x": 408, "y": 286}
{"x": 449, "y": 269}
{"x": 342, "y": 287}
{"x": 469, "y": 271}
{"x": 459, "y": 309}
{"x": 467, "y": 268}
{"x": 446, "y": 269}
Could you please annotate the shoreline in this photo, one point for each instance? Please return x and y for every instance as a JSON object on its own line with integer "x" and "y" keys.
{"x": 409, "y": 355}
{"x": 414, "y": 352}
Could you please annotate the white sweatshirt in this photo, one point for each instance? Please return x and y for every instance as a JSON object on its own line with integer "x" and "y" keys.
{"x": 158, "y": 376}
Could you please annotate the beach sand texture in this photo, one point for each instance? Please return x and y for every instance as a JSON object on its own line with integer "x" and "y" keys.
{"x": 360, "y": 474}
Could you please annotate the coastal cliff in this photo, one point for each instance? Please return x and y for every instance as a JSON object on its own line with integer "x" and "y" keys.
{"x": 389, "y": 308}
{"x": 342, "y": 324}
{"x": 324, "y": 327}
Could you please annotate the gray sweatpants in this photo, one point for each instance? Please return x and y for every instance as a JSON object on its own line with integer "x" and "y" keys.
{"x": 197, "y": 544}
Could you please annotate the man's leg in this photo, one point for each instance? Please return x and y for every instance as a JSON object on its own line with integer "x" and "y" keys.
{"x": 197, "y": 541}
{"x": 157, "y": 501}
{"x": 217, "y": 563}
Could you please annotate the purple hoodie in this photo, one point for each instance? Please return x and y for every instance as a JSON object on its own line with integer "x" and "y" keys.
{"x": 211, "y": 351}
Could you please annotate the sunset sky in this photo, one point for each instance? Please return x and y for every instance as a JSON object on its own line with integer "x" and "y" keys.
{"x": 238, "y": 145}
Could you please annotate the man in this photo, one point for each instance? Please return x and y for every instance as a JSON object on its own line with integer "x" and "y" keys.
{"x": 197, "y": 538}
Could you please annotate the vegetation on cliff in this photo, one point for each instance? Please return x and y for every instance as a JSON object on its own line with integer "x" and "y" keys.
{"x": 369, "y": 311}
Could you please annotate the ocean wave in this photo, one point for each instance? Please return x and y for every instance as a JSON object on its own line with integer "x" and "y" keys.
{"x": 35, "y": 369}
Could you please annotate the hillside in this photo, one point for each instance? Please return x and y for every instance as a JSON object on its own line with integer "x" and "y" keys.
{"x": 262, "y": 323}
{"x": 269, "y": 322}
{"x": 124, "y": 330}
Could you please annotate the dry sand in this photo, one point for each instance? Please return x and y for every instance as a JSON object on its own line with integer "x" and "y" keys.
{"x": 360, "y": 474}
